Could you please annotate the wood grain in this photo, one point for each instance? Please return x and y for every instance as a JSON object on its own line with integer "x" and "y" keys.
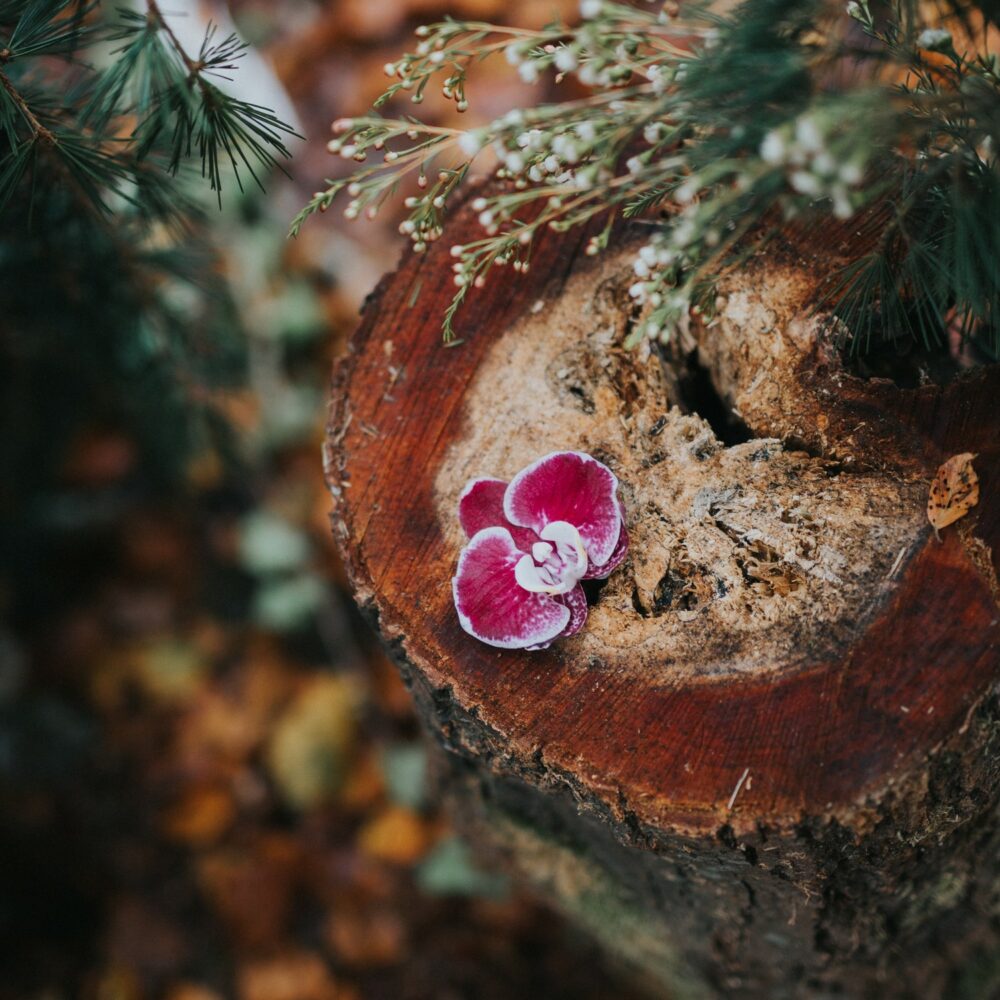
{"x": 822, "y": 740}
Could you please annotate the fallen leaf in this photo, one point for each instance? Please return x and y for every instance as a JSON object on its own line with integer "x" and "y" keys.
{"x": 366, "y": 938}
{"x": 251, "y": 889}
{"x": 297, "y": 975}
{"x": 312, "y": 744}
{"x": 396, "y": 835}
{"x": 201, "y": 815}
{"x": 954, "y": 492}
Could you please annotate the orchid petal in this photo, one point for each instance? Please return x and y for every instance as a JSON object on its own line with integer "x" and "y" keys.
{"x": 490, "y": 604}
{"x": 576, "y": 601}
{"x": 573, "y": 487}
{"x": 481, "y": 506}
{"x": 614, "y": 560}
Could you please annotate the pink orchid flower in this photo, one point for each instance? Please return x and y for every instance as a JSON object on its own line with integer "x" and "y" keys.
{"x": 532, "y": 541}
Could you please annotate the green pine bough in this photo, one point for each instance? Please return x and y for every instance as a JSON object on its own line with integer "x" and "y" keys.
{"x": 115, "y": 305}
{"x": 719, "y": 128}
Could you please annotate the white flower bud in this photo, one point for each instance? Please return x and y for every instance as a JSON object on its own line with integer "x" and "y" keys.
{"x": 805, "y": 183}
{"x": 514, "y": 162}
{"x": 824, "y": 163}
{"x": 935, "y": 39}
{"x": 808, "y": 135}
{"x": 772, "y": 149}
{"x": 565, "y": 60}
{"x": 851, "y": 173}
{"x": 470, "y": 143}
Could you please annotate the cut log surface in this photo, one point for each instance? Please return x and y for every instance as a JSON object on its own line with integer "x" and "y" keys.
{"x": 786, "y": 661}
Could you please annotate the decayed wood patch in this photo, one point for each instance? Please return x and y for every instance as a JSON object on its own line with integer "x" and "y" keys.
{"x": 747, "y": 558}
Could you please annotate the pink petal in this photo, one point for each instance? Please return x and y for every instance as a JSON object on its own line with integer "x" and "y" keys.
{"x": 568, "y": 486}
{"x": 576, "y": 601}
{"x": 490, "y": 604}
{"x": 614, "y": 560}
{"x": 481, "y": 506}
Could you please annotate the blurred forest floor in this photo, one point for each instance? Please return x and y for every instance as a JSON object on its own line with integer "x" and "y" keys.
{"x": 211, "y": 777}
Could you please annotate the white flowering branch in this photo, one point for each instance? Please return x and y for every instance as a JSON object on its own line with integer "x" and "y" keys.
{"x": 707, "y": 126}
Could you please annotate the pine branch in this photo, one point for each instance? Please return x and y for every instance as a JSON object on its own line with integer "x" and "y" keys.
{"x": 38, "y": 129}
{"x": 776, "y": 109}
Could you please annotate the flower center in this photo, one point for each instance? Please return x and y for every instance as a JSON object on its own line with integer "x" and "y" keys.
{"x": 556, "y": 563}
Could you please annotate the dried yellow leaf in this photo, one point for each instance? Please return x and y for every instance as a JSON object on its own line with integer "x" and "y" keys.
{"x": 954, "y": 492}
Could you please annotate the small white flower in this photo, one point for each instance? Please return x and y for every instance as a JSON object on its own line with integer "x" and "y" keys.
{"x": 683, "y": 233}
{"x": 587, "y": 75}
{"x": 842, "y": 207}
{"x": 808, "y": 134}
{"x": 585, "y": 130}
{"x": 653, "y": 132}
{"x": 633, "y": 164}
{"x": 641, "y": 269}
{"x": 513, "y": 55}
{"x": 773, "y": 149}
{"x": 805, "y": 183}
{"x": 514, "y": 162}
{"x": 684, "y": 195}
{"x": 564, "y": 147}
{"x": 470, "y": 143}
{"x": 824, "y": 163}
{"x": 590, "y": 8}
{"x": 851, "y": 173}
{"x": 934, "y": 39}
{"x": 565, "y": 60}
{"x": 528, "y": 72}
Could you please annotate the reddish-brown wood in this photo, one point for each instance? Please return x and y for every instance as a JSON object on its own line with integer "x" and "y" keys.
{"x": 817, "y": 741}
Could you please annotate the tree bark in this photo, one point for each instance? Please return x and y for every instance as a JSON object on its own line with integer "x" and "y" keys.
{"x": 768, "y": 765}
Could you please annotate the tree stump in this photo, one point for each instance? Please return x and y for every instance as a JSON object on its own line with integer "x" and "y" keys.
{"x": 768, "y": 765}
